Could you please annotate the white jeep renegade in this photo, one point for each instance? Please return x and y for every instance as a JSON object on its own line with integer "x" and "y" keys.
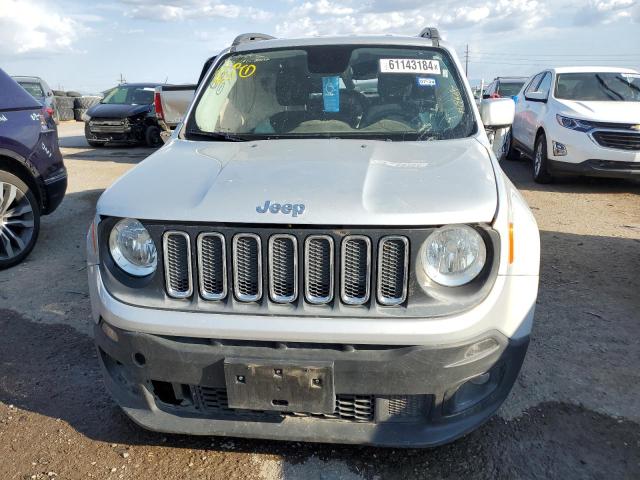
{"x": 325, "y": 250}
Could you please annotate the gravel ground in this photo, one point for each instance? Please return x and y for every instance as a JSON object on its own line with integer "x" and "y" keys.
{"x": 574, "y": 412}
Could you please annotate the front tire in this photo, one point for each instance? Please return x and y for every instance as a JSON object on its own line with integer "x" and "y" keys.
{"x": 152, "y": 136}
{"x": 540, "y": 161}
{"x": 19, "y": 220}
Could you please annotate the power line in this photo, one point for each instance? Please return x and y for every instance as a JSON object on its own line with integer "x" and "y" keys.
{"x": 507, "y": 54}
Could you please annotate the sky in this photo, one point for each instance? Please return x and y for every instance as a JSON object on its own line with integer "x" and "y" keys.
{"x": 87, "y": 45}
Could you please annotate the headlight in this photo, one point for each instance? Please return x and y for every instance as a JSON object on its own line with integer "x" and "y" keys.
{"x": 454, "y": 255}
{"x": 85, "y": 117}
{"x": 574, "y": 123}
{"x": 132, "y": 248}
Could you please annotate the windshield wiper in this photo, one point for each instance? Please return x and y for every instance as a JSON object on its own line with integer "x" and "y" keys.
{"x": 220, "y": 136}
{"x": 607, "y": 87}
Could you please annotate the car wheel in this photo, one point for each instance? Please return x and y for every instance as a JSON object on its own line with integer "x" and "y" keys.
{"x": 540, "y": 162}
{"x": 511, "y": 153}
{"x": 19, "y": 220}
{"x": 152, "y": 136}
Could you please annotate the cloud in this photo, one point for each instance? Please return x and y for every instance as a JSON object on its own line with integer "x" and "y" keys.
{"x": 28, "y": 27}
{"x": 171, "y": 10}
{"x": 607, "y": 11}
{"x": 325, "y": 17}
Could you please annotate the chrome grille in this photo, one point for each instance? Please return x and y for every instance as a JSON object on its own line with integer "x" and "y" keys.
{"x": 283, "y": 268}
{"x": 318, "y": 266}
{"x": 356, "y": 269}
{"x": 393, "y": 262}
{"x": 247, "y": 267}
{"x": 618, "y": 140}
{"x": 212, "y": 266}
{"x": 177, "y": 264}
{"x": 285, "y": 279}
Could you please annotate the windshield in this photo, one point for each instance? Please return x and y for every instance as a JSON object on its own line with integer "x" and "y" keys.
{"x": 130, "y": 96}
{"x": 510, "y": 89}
{"x": 335, "y": 91}
{"x": 34, "y": 89}
{"x": 599, "y": 87}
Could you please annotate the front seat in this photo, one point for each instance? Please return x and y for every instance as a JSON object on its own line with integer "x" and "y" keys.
{"x": 393, "y": 91}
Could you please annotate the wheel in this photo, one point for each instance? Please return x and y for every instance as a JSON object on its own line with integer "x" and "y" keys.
{"x": 152, "y": 136}
{"x": 540, "y": 162}
{"x": 19, "y": 220}
{"x": 511, "y": 153}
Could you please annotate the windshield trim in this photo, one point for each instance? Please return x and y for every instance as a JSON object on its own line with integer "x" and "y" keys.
{"x": 190, "y": 126}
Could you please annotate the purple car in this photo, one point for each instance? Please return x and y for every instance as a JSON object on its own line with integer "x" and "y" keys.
{"x": 33, "y": 178}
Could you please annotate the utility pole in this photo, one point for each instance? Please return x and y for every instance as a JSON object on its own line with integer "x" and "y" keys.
{"x": 122, "y": 80}
{"x": 466, "y": 61}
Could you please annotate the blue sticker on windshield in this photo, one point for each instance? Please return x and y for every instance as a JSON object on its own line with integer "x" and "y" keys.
{"x": 426, "y": 82}
{"x": 331, "y": 93}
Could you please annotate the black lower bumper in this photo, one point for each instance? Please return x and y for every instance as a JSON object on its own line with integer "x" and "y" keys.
{"x": 596, "y": 168}
{"x": 412, "y": 396}
{"x": 55, "y": 188}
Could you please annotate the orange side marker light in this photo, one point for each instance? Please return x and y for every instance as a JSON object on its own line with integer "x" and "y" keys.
{"x": 511, "y": 246}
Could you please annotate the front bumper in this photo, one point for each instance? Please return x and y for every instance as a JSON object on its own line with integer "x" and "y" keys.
{"x": 597, "y": 168}
{"x": 586, "y": 157}
{"x": 413, "y": 393}
{"x": 131, "y": 134}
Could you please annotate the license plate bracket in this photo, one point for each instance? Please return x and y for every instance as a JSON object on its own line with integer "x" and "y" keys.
{"x": 282, "y": 386}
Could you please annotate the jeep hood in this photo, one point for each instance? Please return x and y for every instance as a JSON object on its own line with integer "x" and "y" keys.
{"x": 112, "y": 110}
{"x": 340, "y": 182}
{"x": 615, "y": 112}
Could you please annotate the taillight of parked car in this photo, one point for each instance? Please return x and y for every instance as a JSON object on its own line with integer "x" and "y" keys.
{"x": 158, "y": 105}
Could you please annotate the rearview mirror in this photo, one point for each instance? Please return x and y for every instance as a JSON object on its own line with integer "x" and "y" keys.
{"x": 536, "y": 96}
{"x": 497, "y": 112}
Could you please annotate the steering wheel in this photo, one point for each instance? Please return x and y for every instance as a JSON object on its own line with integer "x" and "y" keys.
{"x": 394, "y": 112}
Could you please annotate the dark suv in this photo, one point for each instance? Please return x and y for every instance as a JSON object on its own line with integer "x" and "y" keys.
{"x": 33, "y": 179}
{"x": 504, "y": 87}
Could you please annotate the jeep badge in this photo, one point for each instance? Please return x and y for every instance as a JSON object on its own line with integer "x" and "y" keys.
{"x": 294, "y": 209}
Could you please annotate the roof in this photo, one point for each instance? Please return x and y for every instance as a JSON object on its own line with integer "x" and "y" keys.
{"x": 147, "y": 85}
{"x": 511, "y": 79}
{"x": 341, "y": 40}
{"x": 591, "y": 69}
{"x": 24, "y": 78}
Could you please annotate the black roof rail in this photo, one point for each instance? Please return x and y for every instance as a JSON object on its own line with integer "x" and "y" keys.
{"x": 250, "y": 37}
{"x": 432, "y": 34}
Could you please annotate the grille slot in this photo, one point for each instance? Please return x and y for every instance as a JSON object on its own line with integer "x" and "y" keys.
{"x": 354, "y": 408}
{"x": 212, "y": 266}
{"x": 356, "y": 269}
{"x": 404, "y": 406}
{"x": 283, "y": 268}
{"x": 247, "y": 267}
{"x": 318, "y": 266}
{"x": 177, "y": 264}
{"x": 393, "y": 263}
{"x": 618, "y": 140}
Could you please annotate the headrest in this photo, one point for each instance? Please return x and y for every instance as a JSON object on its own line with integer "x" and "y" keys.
{"x": 394, "y": 85}
{"x": 292, "y": 85}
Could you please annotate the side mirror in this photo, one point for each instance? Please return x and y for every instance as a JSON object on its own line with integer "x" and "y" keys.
{"x": 536, "y": 96}
{"x": 49, "y": 94}
{"x": 497, "y": 112}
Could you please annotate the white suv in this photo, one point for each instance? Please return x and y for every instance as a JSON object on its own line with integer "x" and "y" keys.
{"x": 325, "y": 250}
{"x": 579, "y": 120}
